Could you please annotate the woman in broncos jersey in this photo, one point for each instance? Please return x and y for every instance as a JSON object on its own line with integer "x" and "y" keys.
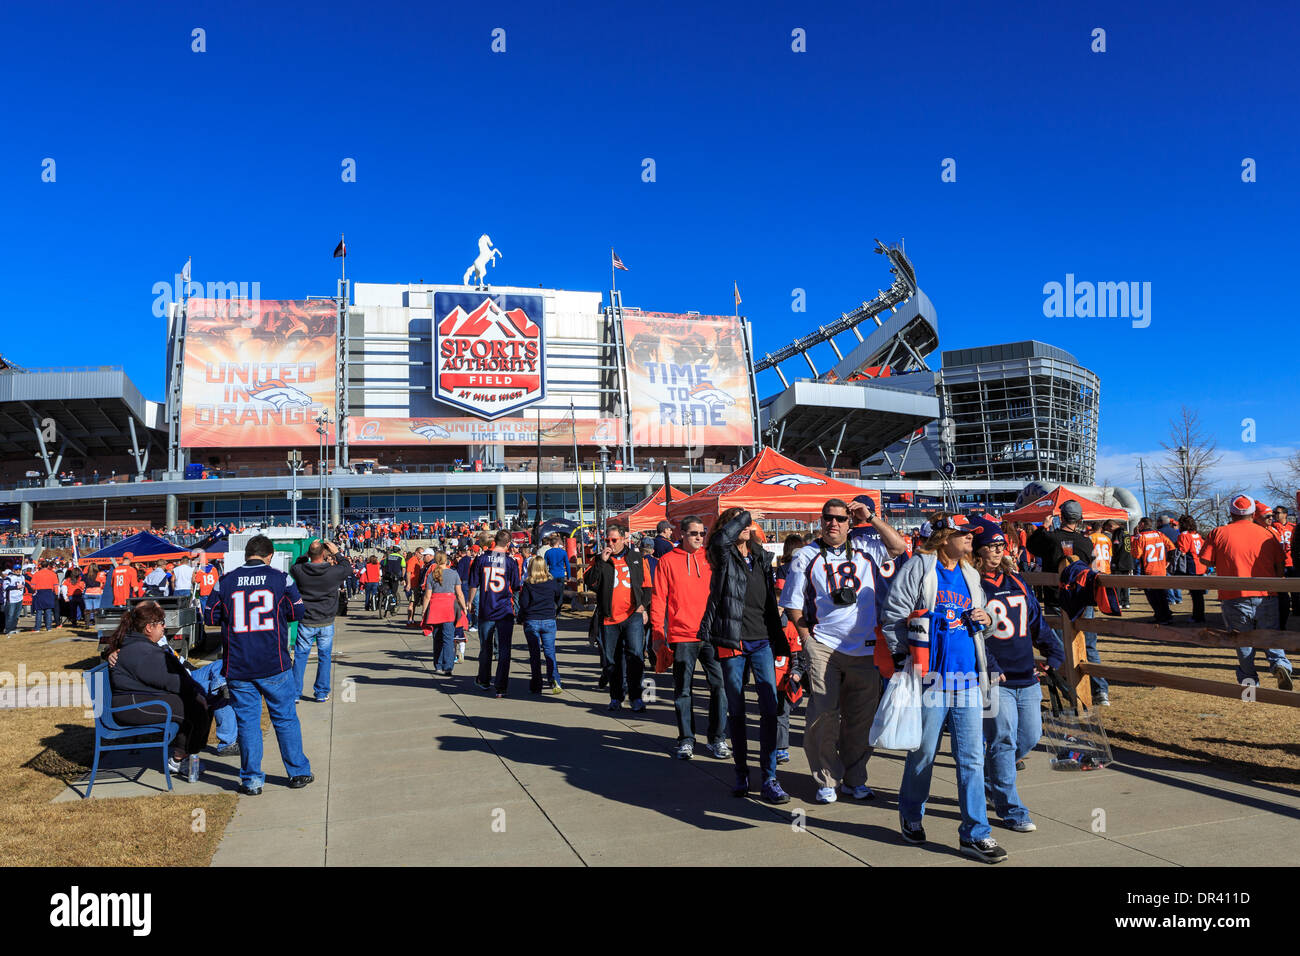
{"x": 1013, "y": 727}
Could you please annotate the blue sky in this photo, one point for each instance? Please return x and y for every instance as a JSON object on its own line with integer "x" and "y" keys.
{"x": 773, "y": 168}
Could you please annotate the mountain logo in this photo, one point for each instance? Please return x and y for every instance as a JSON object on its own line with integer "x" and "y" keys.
{"x": 489, "y": 352}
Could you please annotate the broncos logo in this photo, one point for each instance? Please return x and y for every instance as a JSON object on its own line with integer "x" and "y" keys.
{"x": 279, "y": 395}
{"x": 602, "y": 433}
{"x": 792, "y": 480}
{"x": 430, "y": 431}
{"x": 706, "y": 393}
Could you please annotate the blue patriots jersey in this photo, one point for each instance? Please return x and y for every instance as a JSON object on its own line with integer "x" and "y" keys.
{"x": 253, "y": 606}
{"x": 496, "y": 575}
{"x": 1018, "y": 627}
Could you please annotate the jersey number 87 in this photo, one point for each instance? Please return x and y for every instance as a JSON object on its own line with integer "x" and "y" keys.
{"x": 1003, "y": 629}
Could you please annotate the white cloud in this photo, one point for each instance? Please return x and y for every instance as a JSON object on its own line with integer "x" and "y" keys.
{"x": 1238, "y": 470}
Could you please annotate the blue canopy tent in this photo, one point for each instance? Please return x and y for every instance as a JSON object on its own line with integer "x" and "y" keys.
{"x": 143, "y": 546}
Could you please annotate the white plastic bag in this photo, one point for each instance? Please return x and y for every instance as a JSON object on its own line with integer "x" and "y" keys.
{"x": 897, "y": 725}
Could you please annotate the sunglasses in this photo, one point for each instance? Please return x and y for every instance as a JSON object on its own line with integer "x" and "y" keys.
{"x": 840, "y": 519}
{"x": 692, "y": 534}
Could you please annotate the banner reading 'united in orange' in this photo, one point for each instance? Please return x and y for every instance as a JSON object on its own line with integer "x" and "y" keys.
{"x": 257, "y": 372}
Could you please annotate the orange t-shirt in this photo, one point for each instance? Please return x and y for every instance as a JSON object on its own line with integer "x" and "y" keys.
{"x": 1242, "y": 549}
{"x": 1192, "y": 543}
{"x": 207, "y": 582}
{"x": 1151, "y": 547}
{"x": 1101, "y": 552}
{"x": 620, "y": 602}
{"x": 45, "y": 580}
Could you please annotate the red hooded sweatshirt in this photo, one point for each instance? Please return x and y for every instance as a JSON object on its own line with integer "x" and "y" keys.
{"x": 680, "y": 594}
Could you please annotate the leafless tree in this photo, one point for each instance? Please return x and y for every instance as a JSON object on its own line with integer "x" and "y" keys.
{"x": 1181, "y": 480}
{"x": 1283, "y": 486}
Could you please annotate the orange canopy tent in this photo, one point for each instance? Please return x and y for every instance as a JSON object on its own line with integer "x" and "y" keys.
{"x": 772, "y": 484}
{"x": 644, "y": 515}
{"x": 1050, "y": 504}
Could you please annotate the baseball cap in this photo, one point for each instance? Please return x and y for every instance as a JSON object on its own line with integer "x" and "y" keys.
{"x": 1242, "y": 505}
{"x": 1262, "y": 509}
{"x": 1072, "y": 511}
{"x": 958, "y": 523}
{"x": 986, "y": 532}
{"x": 926, "y": 529}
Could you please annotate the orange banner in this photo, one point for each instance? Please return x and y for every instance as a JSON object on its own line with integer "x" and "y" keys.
{"x": 257, "y": 372}
{"x": 687, "y": 379}
{"x": 475, "y": 431}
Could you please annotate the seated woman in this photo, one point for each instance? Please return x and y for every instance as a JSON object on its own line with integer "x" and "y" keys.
{"x": 144, "y": 671}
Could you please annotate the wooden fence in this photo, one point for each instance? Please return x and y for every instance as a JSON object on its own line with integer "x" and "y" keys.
{"x": 1078, "y": 669}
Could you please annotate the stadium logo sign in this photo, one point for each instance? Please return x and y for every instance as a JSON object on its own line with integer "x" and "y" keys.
{"x": 1102, "y": 300}
{"x": 488, "y": 352}
{"x": 429, "y": 430}
{"x": 279, "y": 395}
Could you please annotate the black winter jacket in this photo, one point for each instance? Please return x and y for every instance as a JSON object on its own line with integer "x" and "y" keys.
{"x": 145, "y": 668}
{"x": 600, "y": 578}
{"x": 721, "y": 624}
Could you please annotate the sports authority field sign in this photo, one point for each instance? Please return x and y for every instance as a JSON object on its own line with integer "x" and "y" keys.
{"x": 488, "y": 351}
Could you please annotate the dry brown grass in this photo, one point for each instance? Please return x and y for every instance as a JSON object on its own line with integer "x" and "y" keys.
{"x": 1255, "y": 741}
{"x": 42, "y": 748}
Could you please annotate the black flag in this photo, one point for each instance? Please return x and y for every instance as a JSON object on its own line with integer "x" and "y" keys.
{"x": 341, "y": 250}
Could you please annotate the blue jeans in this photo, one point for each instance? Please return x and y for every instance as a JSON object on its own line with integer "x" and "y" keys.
{"x": 280, "y": 694}
{"x": 92, "y": 604}
{"x": 44, "y": 617}
{"x": 541, "y": 643}
{"x": 1250, "y": 614}
{"x": 1008, "y": 735}
{"x": 1099, "y": 684}
{"x": 372, "y": 592}
{"x": 324, "y": 640}
{"x": 209, "y": 677}
{"x": 502, "y": 631}
{"x": 630, "y": 636}
{"x": 962, "y": 712}
{"x": 764, "y": 671}
{"x": 444, "y": 646}
{"x": 11, "y": 616}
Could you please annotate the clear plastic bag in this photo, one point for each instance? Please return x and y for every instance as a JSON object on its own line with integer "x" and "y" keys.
{"x": 897, "y": 724}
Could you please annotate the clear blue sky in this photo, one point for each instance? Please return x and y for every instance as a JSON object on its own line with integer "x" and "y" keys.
{"x": 774, "y": 168}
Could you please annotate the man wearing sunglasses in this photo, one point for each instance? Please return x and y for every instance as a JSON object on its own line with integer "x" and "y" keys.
{"x": 830, "y": 596}
{"x": 617, "y": 576}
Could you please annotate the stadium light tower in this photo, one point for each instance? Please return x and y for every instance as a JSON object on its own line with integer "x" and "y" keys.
{"x": 295, "y": 463}
{"x": 322, "y": 420}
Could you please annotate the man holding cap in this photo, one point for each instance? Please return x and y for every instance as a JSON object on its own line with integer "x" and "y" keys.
{"x": 871, "y": 533}
{"x": 1244, "y": 549}
{"x": 318, "y": 582}
{"x": 1060, "y": 547}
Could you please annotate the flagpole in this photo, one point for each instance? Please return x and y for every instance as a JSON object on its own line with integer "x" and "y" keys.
{"x": 344, "y": 242}
{"x": 613, "y": 282}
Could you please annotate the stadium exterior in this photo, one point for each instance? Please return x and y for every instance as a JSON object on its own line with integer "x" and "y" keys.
{"x": 419, "y": 401}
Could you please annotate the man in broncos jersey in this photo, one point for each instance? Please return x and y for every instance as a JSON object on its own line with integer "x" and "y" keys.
{"x": 830, "y": 595}
{"x": 493, "y": 579}
{"x": 1012, "y": 728}
{"x": 253, "y": 606}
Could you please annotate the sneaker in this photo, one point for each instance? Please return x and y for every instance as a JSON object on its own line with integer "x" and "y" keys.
{"x": 826, "y": 795}
{"x": 229, "y": 750}
{"x": 772, "y": 792}
{"x": 986, "y": 850}
{"x": 720, "y": 750}
{"x": 482, "y": 685}
{"x": 250, "y": 791}
{"x": 615, "y": 704}
{"x": 1020, "y": 765}
{"x": 322, "y": 700}
{"x": 741, "y": 787}
{"x": 782, "y": 756}
{"x": 861, "y": 792}
{"x": 297, "y": 783}
{"x": 1283, "y": 676}
{"x": 556, "y": 689}
{"x": 913, "y": 833}
{"x": 500, "y": 694}
{"x": 1102, "y": 700}
{"x": 173, "y": 765}
{"x": 1020, "y": 826}
{"x": 685, "y": 750}
{"x": 638, "y": 705}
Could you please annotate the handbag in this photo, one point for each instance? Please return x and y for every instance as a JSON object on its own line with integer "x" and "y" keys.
{"x": 897, "y": 724}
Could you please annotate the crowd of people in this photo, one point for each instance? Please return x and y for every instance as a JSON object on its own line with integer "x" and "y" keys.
{"x": 828, "y": 622}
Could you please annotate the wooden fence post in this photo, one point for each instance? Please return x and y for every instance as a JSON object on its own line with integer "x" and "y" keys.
{"x": 1076, "y": 653}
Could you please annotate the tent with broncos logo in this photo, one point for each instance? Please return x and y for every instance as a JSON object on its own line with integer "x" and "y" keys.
{"x": 772, "y": 484}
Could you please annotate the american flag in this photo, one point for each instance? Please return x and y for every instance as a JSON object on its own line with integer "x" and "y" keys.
{"x": 76, "y": 552}
{"x": 617, "y": 262}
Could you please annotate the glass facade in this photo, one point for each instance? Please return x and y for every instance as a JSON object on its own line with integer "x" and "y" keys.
{"x": 421, "y": 506}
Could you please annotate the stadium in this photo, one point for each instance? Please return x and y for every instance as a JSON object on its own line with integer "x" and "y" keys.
{"x": 467, "y": 401}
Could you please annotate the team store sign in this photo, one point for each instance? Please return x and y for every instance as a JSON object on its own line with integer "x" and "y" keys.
{"x": 489, "y": 352}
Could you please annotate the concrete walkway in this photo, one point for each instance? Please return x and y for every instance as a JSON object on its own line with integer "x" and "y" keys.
{"x": 416, "y": 769}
